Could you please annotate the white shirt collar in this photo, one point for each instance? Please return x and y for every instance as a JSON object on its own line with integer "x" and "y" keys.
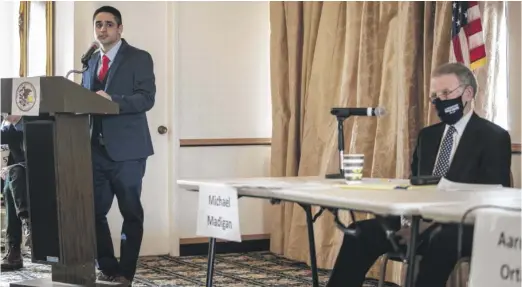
{"x": 112, "y": 52}
{"x": 462, "y": 123}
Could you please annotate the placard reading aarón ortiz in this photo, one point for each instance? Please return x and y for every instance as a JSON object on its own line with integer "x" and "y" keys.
{"x": 496, "y": 249}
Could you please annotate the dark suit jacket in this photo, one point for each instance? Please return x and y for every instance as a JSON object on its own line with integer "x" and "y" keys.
{"x": 13, "y": 136}
{"x": 483, "y": 155}
{"x": 131, "y": 84}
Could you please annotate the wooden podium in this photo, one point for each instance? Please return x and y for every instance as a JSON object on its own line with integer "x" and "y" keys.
{"x": 59, "y": 174}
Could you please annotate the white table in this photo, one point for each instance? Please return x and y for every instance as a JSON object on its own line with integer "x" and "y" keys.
{"x": 464, "y": 213}
{"x": 386, "y": 202}
{"x": 267, "y": 188}
{"x": 454, "y": 213}
{"x": 334, "y": 194}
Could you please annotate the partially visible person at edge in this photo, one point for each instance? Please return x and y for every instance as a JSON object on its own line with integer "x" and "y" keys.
{"x": 120, "y": 143}
{"x": 15, "y": 194}
{"x": 462, "y": 148}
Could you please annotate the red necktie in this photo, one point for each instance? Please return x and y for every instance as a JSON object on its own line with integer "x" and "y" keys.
{"x": 104, "y": 68}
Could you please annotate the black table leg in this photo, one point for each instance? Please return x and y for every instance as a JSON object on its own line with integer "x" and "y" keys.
{"x": 311, "y": 242}
{"x": 211, "y": 259}
{"x": 412, "y": 247}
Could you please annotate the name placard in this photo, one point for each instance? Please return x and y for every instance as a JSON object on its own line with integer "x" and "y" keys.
{"x": 496, "y": 249}
{"x": 218, "y": 212}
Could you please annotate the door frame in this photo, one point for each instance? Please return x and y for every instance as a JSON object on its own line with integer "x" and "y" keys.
{"x": 173, "y": 121}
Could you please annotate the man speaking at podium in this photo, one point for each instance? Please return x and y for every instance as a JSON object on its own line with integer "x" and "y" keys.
{"x": 463, "y": 148}
{"x": 120, "y": 143}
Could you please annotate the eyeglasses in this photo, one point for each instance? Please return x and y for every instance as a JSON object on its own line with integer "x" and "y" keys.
{"x": 444, "y": 94}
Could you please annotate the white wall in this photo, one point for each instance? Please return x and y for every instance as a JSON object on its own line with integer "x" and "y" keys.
{"x": 223, "y": 162}
{"x": 212, "y": 70}
{"x": 224, "y": 69}
{"x": 10, "y": 48}
{"x": 73, "y": 34}
{"x": 64, "y": 47}
{"x": 224, "y": 92}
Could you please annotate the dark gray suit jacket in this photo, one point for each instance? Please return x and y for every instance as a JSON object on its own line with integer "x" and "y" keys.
{"x": 483, "y": 155}
{"x": 131, "y": 84}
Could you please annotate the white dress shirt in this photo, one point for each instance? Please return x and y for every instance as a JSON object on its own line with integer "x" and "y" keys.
{"x": 111, "y": 55}
{"x": 460, "y": 126}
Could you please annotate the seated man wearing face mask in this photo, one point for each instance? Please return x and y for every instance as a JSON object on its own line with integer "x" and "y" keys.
{"x": 462, "y": 148}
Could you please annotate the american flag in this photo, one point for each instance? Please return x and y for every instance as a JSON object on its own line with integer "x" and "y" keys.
{"x": 467, "y": 40}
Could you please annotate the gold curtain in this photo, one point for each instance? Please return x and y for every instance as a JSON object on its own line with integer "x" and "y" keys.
{"x": 348, "y": 54}
{"x": 23, "y": 29}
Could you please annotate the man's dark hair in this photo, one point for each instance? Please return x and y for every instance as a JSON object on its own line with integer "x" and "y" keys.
{"x": 111, "y": 10}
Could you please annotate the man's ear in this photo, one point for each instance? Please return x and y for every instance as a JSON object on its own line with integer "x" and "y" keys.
{"x": 468, "y": 94}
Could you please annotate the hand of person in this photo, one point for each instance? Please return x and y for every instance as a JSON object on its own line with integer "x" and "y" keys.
{"x": 104, "y": 94}
{"x": 404, "y": 234}
{"x": 3, "y": 172}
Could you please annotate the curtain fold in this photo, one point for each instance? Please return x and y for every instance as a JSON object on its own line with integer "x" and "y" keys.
{"x": 492, "y": 77}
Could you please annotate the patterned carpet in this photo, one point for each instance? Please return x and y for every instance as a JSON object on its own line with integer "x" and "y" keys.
{"x": 248, "y": 269}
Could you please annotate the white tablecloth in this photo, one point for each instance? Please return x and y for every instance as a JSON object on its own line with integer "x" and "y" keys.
{"x": 369, "y": 196}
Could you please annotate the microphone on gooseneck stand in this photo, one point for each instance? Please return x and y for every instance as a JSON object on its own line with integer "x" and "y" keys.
{"x": 85, "y": 59}
{"x": 422, "y": 179}
{"x": 342, "y": 114}
{"x": 368, "y": 112}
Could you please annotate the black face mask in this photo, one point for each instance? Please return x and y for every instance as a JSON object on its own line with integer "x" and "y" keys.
{"x": 450, "y": 111}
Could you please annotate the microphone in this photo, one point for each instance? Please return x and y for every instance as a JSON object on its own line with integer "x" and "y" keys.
{"x": 87, "y": 56}
{"x": 369, "y": 112}
{"x": 342, "y": 114}
{"x": 85, "y": 60}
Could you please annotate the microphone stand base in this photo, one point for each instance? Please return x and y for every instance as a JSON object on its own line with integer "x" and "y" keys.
{"x": 425, "y": 180}
{"x": 334, "y": 176}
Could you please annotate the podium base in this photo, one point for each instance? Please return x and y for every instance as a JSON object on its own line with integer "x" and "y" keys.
{"x": 47, "y": 282}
